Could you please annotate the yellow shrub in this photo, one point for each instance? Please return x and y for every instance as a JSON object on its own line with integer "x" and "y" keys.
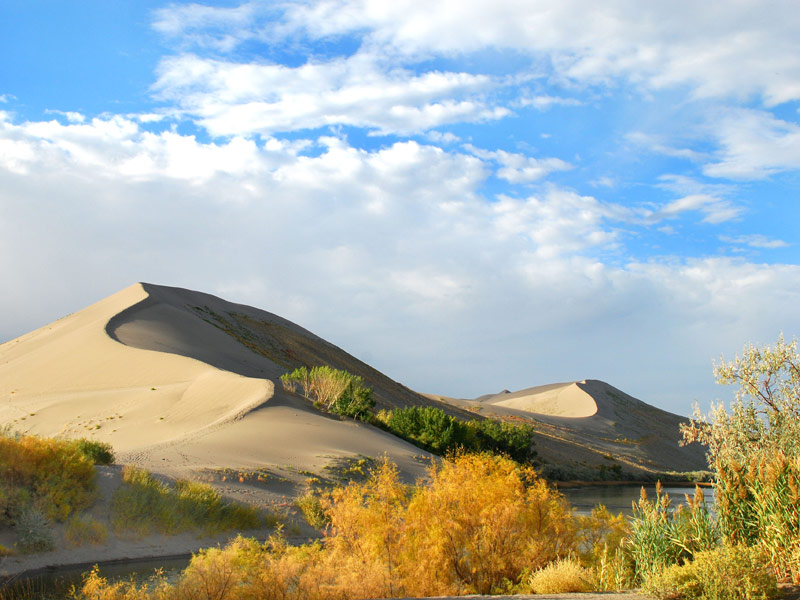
{"x": 562, "y": 576}
{"x": 55, "y": 474}
{"x": 482, "y": 521}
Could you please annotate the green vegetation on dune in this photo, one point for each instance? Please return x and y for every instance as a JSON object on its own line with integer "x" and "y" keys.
{"x": 434, "y": 430}
{"x": 144, "y": 505}
{"x": 427, "y": 427}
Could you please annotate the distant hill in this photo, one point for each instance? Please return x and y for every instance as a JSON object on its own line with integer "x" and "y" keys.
{"x": 588, "y": 427}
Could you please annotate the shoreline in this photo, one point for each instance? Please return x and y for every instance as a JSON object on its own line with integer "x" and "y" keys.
{"x": 573, "y": 483}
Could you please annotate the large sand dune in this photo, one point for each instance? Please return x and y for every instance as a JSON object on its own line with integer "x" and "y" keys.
{"x": 153, "y": 371}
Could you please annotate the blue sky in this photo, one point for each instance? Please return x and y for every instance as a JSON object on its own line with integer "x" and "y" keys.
{"x": 470, "y": 196}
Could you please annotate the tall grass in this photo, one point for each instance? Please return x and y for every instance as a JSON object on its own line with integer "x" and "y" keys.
{"x": 143, "y": 505}
{"x": 661, "y": 537}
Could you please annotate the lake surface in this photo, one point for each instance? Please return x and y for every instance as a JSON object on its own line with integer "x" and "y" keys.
{"x": 619, "y": 498}
{"x": 56, "y": 585}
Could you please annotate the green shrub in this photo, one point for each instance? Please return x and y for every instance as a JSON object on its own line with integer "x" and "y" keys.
{"x": 725, "y": 573}
{"x": 99, "y": 453}
{"x": 434, "y": 430}
{"x": 311, "y": 507}
{"x": 34, "y": 531}
{"x": 142, "y": 504}
{"x": 334, "y": 390}
{"x": 83, "y": 530}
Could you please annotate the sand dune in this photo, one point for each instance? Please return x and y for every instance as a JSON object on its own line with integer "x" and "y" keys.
{"x": 558, "y": 399}
{"x": 150, "y": 371}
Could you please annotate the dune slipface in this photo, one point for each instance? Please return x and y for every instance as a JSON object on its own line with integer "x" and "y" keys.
{"x": 181, "y": 381}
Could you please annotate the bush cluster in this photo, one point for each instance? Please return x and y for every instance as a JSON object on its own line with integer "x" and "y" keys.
{"x": 54, "y": 476}
{"x": 332, "y": 389}
{"x": 143, "y": 504}
{"x": 434, "y": 430}
{"x": 481, "y": 523}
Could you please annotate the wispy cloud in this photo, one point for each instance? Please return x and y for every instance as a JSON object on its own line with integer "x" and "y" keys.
{"x": 234, "y": 98}
{"x": 754, "y": 145}
{"x": 519, "y": 168}
{"x": 754, "y": 241}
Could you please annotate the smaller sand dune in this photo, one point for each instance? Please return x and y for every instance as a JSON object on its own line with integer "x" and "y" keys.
{"x": 557, "y": 399}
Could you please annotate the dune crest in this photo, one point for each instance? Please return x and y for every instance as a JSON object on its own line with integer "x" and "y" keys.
{"x": 72, "y": 378}
{"x": 558, "y": 399}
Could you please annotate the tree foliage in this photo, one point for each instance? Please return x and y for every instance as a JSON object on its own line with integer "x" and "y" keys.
{"x": 434, "y": 430}
{"x": 754, "y": 451}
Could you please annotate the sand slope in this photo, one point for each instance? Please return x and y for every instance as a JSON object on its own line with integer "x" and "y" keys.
{"x": 558, "y": 399}
{"x": 175, "y": 382}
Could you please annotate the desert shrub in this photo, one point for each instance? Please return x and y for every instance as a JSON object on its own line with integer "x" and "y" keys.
{"x": 84, "y": 530}
{"x": 54, "y": 475}
{"x": 334, "y": 390}
{"x": 99, "y": 453}
{"x": 34, "y": 531}
{"x": 562, "y": 576}
{"x": 479, "y": 523}
{"x": 311, "y": 507}
{"x": 754, "y": 451}
{"x": 724, "y": 573}
{"x": 498, "y": 436}
{"x": 434, "y": 430}
{"x": 428, "y": 427}
{"x": 143, "y": 504}
{"x": 483, "y": 520}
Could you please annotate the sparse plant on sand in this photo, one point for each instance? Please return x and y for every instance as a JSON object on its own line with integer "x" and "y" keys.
{"x": 34, "y": 531}
{"x": 143, "y": 504}
{"x": 85, "y": 530}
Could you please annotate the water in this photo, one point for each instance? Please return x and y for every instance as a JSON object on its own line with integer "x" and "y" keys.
{"x": 56, "y": 585}
{"x": 619, "y": 498}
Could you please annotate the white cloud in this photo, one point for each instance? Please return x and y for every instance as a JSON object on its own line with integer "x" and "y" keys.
{"x": 654, "y": 144}
{"x": 239, "y": 99}
{"x": 208, "y": 26}
{"x": 753, "y": 145}
{"x": 518, "y": 168}
{"x": 544, "y": 102}
{"x": 755, "y": 241}
{"x": 708, "y": 199}
{"x": 717, "y": 49}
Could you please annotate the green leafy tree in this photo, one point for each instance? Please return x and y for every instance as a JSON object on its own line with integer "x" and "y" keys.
{"x": 754, "y": 451}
